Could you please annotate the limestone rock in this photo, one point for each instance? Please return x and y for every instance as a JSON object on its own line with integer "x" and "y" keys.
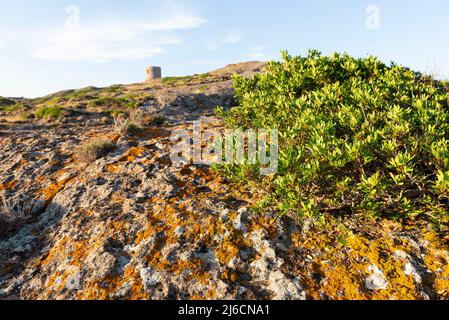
{"x": 376, "y": 280}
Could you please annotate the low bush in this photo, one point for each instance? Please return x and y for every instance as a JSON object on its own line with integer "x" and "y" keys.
{"x": 48, "y": 112}
{"x": 135, "y": 122}
{"x": 4, "y": 102}
{"x": 12, "y": 214}
{"x": 81, "y": 94}
{"x": 108, "y": 102}
{"x": 95, "y": 149}
{"x": 157, "y": 120}
{"x": 128, "y": 125}
{"x": 355, "y": 136}
{"x": 12, "y": 107}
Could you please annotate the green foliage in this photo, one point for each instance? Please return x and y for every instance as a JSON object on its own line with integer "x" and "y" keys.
{"x": 9, "y": 105}
{"x": 48, "y": 113}
{"x": 158, "y": 120}
{"x": 108, "y": 102}
{"x": 12, "y": 107}
{"x": 4, "y": 102}
{"x": 81, "y": 93}
{"x": 115, "y": 112}
{"x": 174, "y": 81}
{"x": 356, "y": 135}
{"x": 116, "y": 88}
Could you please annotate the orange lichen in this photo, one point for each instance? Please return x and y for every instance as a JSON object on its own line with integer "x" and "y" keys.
{"x": 229, "y": 276}
{"x": 50, "y": 191}
{"x": 113, "y": 168}
{"x": 437, "y": 261}
{"x": 22, "y": 163}
{"x": 105, "y": 290}
{"x": 132, "y": 154}
{"x": 56, "y": 250}
{"x": 341, "y": 259}
{"x": 229, "y": 247}
{"x": 8, "y": 185}
{"x": 337, "y": 256}
{"x": 53, "y": 163}
{"x": 62, "y": 180}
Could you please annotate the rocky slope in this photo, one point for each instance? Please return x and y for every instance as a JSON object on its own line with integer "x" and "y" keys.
{"x": 131, "y": 225}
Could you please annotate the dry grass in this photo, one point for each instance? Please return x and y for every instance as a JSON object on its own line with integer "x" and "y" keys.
{"x": 11, "y": 214}
{"x": 135, "y": 122}
{"x": 95, "y": 149}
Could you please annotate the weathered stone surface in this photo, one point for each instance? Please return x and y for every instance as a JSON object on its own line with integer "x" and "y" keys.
{"x": 376, "y": 280}
{"x": 133, "y": 226}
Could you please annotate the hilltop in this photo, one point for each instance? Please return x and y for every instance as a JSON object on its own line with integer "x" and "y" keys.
{"x": 93, "y": 208}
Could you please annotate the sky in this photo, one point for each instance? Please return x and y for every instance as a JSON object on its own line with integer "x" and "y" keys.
{"x": 48, "y": 45}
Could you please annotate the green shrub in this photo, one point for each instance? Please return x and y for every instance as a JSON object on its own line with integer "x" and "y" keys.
{"x": 355, "y": 136}
{"x": 49, "y": 101}
{"x": 115, "y": 112}
{"x": 109, "y": 102}
{"x": 48, "y": 112}
{"x": 4, "y": 102}
{"x": 129, "y": 124}
{"x": 175, "y": 81}
{"x": 168, "y": 81}
{"x": 158, "y": 120}
{"x": 12, "y": 108}
{"x": 115, "y": 88}
{"x": 81, "y": 93}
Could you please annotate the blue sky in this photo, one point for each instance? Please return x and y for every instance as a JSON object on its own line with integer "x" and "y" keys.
{"x": 48, "y": 45}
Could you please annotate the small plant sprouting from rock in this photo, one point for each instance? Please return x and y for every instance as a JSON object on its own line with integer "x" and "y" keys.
{"x": 158, "y": 120}
{"x": 127, "y": 125}
{"x": 135, "y": 122}
{"x": 95, "y": 149}
{"x": 12, "y": 213}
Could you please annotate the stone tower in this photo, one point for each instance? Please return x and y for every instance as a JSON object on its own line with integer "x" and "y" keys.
{"x": 153, "y": 73}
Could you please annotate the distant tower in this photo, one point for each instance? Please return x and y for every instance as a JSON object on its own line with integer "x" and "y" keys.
{"x": 153, "y": 73}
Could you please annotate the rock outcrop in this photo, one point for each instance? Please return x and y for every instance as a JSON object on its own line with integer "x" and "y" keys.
{"x": 132, "y": 225}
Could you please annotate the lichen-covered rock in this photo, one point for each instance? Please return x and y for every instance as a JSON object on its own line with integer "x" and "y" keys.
{"x": 376, "y": 279}
{"x": 131, "y": 225}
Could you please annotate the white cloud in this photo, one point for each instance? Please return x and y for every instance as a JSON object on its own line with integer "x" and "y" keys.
{"x": 110, "y": 41}
{"x": 233, "y": 38}
{"x": 212, "y": 46}
{"x": 5, "y": 37}
{"x": 256, "y": 55}
{"x": 230, "y": 38}
{"x": 208, "y": 62}
{"x": 257, "y": 52}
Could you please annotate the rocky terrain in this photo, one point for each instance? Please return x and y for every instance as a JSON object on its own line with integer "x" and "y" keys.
{"x": 132, "y": 225}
